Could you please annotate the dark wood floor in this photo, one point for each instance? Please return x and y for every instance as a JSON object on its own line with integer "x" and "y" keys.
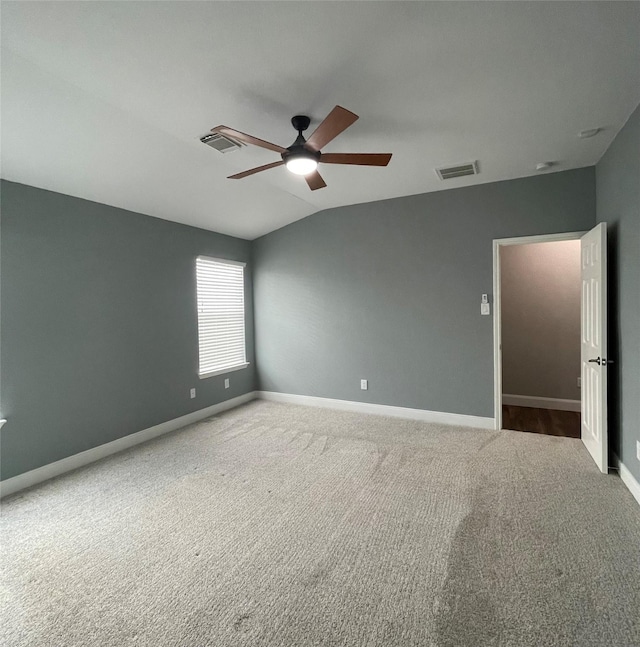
{"x": 541, "y": 421}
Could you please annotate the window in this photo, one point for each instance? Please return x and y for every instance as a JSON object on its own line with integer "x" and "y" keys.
{"x": 220, "y": 293}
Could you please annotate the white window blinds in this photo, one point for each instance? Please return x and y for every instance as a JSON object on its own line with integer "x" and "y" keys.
{"x": 220, "y": 293}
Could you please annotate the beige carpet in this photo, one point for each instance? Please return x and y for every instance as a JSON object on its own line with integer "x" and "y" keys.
{"x": 280, "y": 525}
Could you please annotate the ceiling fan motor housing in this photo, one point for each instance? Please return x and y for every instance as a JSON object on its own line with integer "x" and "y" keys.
{"x": 299, "y": 148}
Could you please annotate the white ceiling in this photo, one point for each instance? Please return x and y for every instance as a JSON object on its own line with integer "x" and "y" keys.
{"x": 107, "y": 100}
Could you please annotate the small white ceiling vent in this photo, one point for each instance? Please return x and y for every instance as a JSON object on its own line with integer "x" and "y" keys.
{"x": 460, "y": 170}
{"x": 220, "y": 142}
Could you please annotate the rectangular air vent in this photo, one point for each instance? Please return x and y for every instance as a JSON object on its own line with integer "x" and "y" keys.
{"x": 220, "y": 142}
{"x": 460, "y": 170}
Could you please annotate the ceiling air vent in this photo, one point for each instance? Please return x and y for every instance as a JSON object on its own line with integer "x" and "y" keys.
{"x": 460, "y": 170}
{"x": 220, "y": 142}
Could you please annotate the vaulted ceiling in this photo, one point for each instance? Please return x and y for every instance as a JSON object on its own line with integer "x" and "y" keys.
{"x": 107, "y": 100}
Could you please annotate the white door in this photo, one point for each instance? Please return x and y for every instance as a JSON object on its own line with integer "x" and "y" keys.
{"x": 594, "y": 344}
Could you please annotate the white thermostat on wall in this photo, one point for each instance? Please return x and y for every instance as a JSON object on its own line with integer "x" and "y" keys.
{"x": 485, "y": 308}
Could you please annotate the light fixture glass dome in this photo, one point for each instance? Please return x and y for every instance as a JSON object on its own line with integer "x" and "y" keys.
{"x": 301, "y": 165}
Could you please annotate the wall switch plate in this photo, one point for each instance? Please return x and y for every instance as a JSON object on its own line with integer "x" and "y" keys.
{"x": 192, "y": 393}
{"x": 226, "y": 382}
{"x": 579, "y": 382}
{"x": 485, "y": 309}
{"x": 364, "y": 385}
{"x": 638, "y": 449}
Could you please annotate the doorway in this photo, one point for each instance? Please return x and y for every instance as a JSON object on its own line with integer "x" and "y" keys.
{"x": 537, "y": 292}
{"x": 594, "y": 358}
{"x": 540, "y": 307}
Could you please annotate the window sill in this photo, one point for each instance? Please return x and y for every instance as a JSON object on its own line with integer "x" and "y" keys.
{"x": 229, "y": 369}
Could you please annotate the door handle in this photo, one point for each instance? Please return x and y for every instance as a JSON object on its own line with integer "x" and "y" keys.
{"x": 601, "y": 362}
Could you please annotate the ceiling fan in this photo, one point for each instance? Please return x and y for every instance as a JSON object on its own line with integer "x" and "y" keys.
{"x": 303, "y": 156}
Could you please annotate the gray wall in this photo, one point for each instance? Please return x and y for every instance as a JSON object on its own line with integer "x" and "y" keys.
{"x": 540, "y": 301}
{"x": 99, "y": 324}
{"x": 618, "y": 204}
{"x": 390, "y": 291}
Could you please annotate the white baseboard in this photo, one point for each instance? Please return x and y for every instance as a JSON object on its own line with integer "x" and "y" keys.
{"x": 46, "y": 472}
{"x": 539, "y": 402}
{"x": 439, "y": 417}
{"x": 627, "y": 478}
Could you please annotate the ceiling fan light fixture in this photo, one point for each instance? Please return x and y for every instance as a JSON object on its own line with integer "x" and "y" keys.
{"x": 301, "y": 164}
{"x": 303, "y": 156}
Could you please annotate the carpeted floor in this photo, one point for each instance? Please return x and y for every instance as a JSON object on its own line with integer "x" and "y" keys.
{"x": 279, "y": 525}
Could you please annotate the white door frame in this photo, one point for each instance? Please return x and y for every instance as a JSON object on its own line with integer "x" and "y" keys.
{"x": 497, "y": 311}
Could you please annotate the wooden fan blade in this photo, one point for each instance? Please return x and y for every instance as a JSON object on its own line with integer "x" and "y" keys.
{"x": 315, "y": 181}
{"x": 251, "y": 171}
{"x": 335, "y": 122}
{"x": 247, "y": 139}
{"x": 361, "y": 159}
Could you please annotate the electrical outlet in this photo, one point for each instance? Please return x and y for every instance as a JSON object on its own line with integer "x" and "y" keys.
{"x": 226, "y": 382}
{"x": 192, "y": 393}
{"x": 579, "y": 382}
{"x": 638, "y": 449}
{"x": 364, "y": 385}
